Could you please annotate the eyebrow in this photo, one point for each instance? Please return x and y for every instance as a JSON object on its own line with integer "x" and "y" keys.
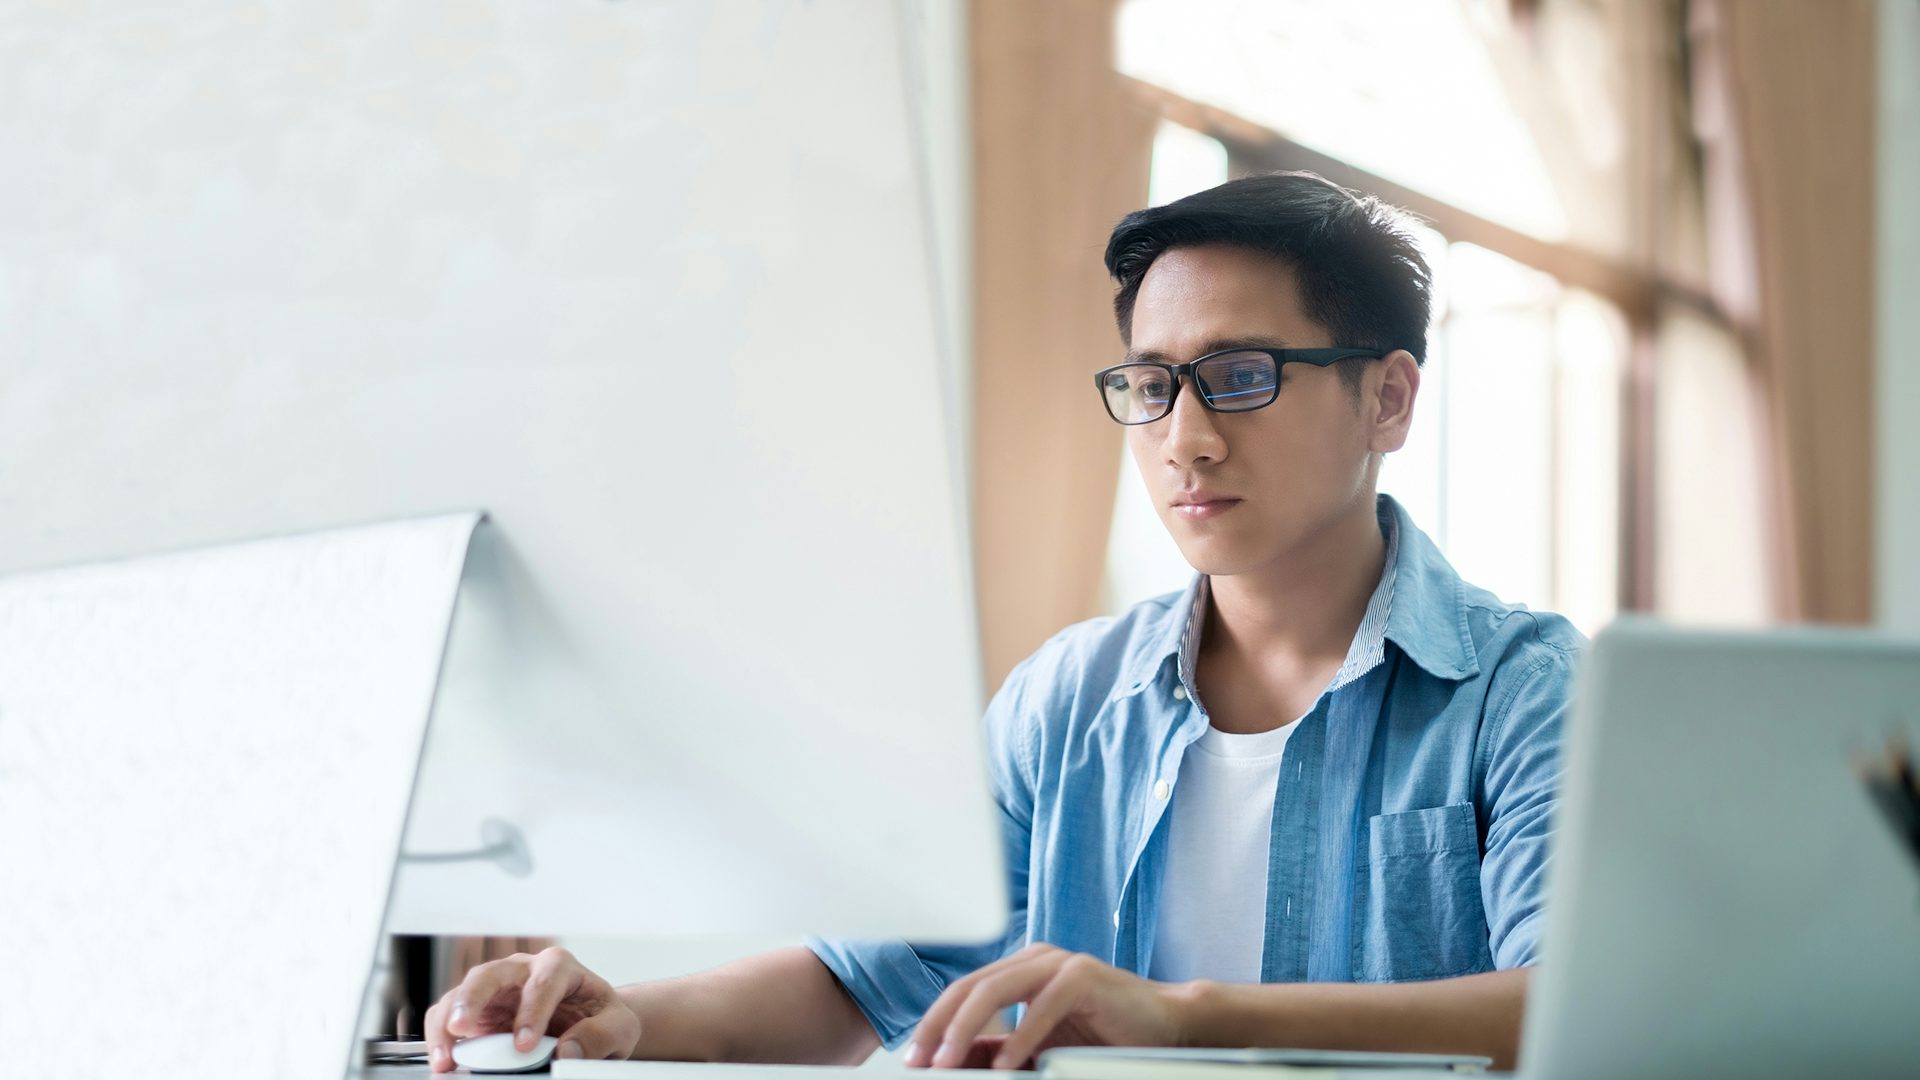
{"x": 1155, "y": 356}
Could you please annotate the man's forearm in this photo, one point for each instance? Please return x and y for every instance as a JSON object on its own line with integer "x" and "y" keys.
{"x": 783, "y": 1006}
{"x": 1473, "y": 1014}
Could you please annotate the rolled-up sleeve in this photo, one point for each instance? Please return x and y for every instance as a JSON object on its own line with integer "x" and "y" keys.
{"x": 893, "y": 982}
{"x": 1521, "y": 785}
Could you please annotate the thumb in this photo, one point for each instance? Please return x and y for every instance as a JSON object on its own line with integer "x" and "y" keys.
{"x": 609, "y": 1033}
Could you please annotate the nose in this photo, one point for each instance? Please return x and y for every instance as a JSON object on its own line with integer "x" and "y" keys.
{"x": 1191, "y": 436}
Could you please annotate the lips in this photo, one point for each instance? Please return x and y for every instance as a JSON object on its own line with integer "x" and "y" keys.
{"x": 1202, "y": 505}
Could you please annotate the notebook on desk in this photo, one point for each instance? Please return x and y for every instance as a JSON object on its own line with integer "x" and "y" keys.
{"x": 1129, "y": 1063}
{"x": 575, "y": 1069}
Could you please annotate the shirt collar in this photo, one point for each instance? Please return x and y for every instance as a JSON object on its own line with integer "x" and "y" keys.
{"x": 1369, "y": 647}
{"x": 1418, "y": 599}
{"x": 1429, "y": 617}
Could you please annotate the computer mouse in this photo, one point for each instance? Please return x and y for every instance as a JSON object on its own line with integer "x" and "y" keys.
{"x": 495, "y": 1054}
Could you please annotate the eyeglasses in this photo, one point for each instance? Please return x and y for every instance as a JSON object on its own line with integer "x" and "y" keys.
{"x": 1233, "y": 380}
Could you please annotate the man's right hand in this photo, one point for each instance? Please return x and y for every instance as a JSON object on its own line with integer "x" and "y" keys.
{"x": 534, "y": 995}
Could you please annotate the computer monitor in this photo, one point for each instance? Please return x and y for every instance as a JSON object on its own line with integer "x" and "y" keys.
{"x": 650, "y": 285}
{"x": 1725, "y": 896}
{"x": 205, "y": 761}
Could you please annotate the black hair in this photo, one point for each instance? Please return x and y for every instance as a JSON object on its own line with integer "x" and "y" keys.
{"x": 1360, "y": 271}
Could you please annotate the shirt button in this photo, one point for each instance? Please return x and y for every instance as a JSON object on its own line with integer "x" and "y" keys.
{"x": 1179, "y": 693}
{"x": 1161, "y": 789}
{"x": 1116, "y": 920}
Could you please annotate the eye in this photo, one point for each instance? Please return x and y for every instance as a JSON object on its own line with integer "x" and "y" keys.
{"x": 1247, "y": 376}
{"x": 1153, "y": 389}
{"x": 1240, "y": 378}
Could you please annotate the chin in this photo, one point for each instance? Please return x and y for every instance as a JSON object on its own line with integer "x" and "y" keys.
{"x": 1241, "y": 547}
{"x": 1214, "y": 558}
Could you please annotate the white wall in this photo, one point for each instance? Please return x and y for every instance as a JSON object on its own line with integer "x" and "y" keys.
{"x": 1898, "y": 330}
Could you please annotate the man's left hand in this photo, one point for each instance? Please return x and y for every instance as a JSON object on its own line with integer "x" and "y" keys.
{"x": 1072, "y": 1000}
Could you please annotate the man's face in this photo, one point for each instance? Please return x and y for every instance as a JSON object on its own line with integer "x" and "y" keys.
{"x": 1240, "y": 491}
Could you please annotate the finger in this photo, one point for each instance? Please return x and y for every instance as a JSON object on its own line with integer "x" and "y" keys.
{"x": 989, "y": 996}
{"x": 434, "y": 1031}
{"x": 1054, "y": 1003}
{"x": 933, "y": 1025}
{"x": 468, "y": 1011}
{"x": 610, "y": 1033}
{"x": 981, "y": 1054}
{"x": 551, "y": 977}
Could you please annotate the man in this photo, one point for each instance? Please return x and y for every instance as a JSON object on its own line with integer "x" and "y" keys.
{"x": 1304, "y": 803}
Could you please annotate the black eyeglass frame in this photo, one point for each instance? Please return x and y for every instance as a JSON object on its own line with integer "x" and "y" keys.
{"x": 1281, "y": 358}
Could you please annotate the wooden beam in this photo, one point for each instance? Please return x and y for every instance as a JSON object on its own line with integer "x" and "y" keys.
{"x": 1636, "y": 292}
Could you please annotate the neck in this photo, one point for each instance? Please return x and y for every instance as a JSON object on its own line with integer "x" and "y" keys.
{"x": 1307, "y": 603}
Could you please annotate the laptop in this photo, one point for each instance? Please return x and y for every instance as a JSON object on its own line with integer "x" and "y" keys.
{"x": 1726, "y": 897}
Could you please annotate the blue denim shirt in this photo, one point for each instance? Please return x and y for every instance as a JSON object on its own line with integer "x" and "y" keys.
{"x": 1410, "y": 825}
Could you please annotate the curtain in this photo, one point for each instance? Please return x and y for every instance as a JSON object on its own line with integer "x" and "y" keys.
{"x": 1060, "y": 153}
{"x": 1787, "y": 91}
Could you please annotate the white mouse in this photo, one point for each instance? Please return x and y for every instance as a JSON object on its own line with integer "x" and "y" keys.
{"x": 495, "y": 1054}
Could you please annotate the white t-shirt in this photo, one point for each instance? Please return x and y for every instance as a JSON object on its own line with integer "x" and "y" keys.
{"x": 1213, "y": 900}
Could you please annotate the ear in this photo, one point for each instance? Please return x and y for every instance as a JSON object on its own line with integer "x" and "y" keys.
{"x": 1392, "y": 385}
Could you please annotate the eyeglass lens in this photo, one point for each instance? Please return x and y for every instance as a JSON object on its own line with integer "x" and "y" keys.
{"x": 1230, "y": 382}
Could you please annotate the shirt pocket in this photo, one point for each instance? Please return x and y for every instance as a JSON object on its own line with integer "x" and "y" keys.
{"x": 1417, "y": 908}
